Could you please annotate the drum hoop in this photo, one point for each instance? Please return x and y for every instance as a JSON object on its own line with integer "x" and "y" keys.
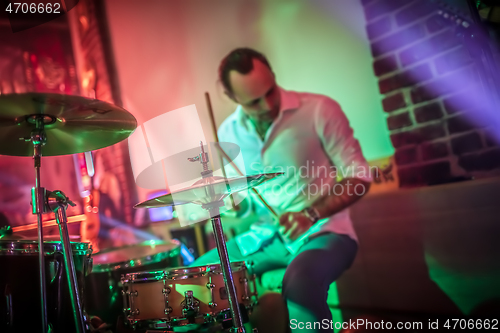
{"x": 236, "y": 266}
{"x": 182, "y": 273}
{"x": 147, "y": 277}
{"x": 151, "y": 259}
{"x": 26, "y": 247}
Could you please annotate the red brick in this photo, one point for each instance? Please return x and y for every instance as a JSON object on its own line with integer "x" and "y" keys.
{"x": 466, "y": 143}
{"x": 445, "y": 40}
{"x": 408, "y": 78}
{"x": 429, "y": 47}
{"x": 429, "y": 174}
{"x": 414, "y": 12}
{"x": 403, "y": 139}
{"x": 418, "y": 135}
{"x": 382, "y": 7}
{"x": 422, "y": 94}
{"x": 405, "y": 155}
{"x": 393, "y": 102}
{"x": 416, "y": 53}
{"x": 453, "y": 60}
{"x": 468, "y": 100}
{"x": 398, "y": 40}
{"x": 428, "y": 112}
{"x": 482, "y": 161}
{"x": 385, "y": 65}
{"x": 429, "y": 132}
{"x": 490, "y": 139}
{"x": 437, "y": 22}
{"x": 433, "y": 150}
{"x": 459, "y": 124}
{"x": 447, "y": 84}
{"x": 415, "y": 75}
{"x": 399, "y": 121}
{"x": 379, "y": 27}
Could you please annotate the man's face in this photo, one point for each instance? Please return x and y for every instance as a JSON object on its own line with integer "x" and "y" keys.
{"x": 256, "y": 92}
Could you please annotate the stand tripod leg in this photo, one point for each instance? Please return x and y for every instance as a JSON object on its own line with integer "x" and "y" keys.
{"x": 41, "y": 262}
{"x": 226, "y": 271}
{"x": 70, "y": 270}
{"x": 38, "y": 202}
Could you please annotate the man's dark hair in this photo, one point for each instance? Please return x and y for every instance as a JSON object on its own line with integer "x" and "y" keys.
{"x": 239, "y": 60}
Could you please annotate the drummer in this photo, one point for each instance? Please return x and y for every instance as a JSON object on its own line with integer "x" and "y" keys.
{"x": 308, "y": 137}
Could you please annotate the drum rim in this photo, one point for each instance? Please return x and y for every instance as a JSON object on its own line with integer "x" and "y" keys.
{"x": 137, "y": 262}
{"x": 26, "y": 247}
{"x": 146, "y": 276}
{"x": 197, "y": 271}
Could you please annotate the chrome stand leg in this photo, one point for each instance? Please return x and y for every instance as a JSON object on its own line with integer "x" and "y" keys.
{"x": 58, "y": 202}
{"x": 226, "y": 271}
{"x": 38, "y": 202}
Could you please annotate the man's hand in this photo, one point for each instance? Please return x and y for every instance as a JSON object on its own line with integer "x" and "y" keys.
{"x": 295, "y": 224}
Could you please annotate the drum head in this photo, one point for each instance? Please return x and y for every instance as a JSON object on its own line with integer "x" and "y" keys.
{"x": 134, "y": 255}
{"x": 24, "y": 246}
{"x": 189, "y": 272}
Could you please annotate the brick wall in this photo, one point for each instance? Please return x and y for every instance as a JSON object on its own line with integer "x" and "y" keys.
{"x": 440, "y": 123}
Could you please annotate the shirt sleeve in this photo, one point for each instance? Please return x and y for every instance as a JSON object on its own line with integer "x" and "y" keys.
{"x": 339, "y": 143}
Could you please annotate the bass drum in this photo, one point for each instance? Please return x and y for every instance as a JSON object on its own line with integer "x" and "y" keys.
{"x": 103, "y": 297}
{"x": 20, "y": 309}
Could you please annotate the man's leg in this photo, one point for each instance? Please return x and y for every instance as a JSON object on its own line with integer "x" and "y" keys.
{"x": 273, "y": 255}
{"x": 212, "y": 256}
{"x": 318, "y": 264}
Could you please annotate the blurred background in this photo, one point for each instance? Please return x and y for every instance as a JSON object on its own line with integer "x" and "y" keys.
{"x": 418, "y": 81}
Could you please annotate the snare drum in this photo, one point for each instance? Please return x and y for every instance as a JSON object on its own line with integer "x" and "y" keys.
{"x": 103, "y": 297}
{"x": 20, "y": 309}
{"x": 186, "y": 295}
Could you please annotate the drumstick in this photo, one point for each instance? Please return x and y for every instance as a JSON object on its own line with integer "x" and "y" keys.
{"x": 224, "y": 155}
{"x": 214, "y": 130}
{"x": 49, "y": 223}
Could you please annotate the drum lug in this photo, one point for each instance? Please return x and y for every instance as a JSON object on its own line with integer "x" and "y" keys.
{"x": 133, "y": 293}
{"x": 166, "y": 291}
{"x": 191, "y": 305}
{"x": 212, "y": 304}
{"x": 210, "y": 285}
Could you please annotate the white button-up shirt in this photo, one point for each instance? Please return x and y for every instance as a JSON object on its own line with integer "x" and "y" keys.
{"x": 312, "y": 143}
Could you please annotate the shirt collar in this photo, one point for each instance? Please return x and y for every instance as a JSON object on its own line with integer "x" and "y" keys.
{"x": 289, "y": 100}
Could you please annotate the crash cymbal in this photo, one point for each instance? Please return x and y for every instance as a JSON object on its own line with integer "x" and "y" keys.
{"x": 208, "y": 190}
{"x": 72, "y": 124}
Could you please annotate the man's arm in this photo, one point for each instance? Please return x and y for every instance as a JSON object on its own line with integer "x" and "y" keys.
{"x": 296, "y": 223}
{"x": 344, "y": 151}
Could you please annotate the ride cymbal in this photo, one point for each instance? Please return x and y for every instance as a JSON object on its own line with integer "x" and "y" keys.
{"x": 72, "y": 124}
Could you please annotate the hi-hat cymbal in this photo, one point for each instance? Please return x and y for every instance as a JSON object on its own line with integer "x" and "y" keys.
{"x": 208, "y": 190}
{"x": 72, "y": 124}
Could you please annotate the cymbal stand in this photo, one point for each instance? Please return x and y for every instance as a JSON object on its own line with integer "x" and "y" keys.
{"x": 44, "y": 201}
{"x": 38, "y": 139}
{"x": 58, "y": 203}
{"x": 214, "y": 211}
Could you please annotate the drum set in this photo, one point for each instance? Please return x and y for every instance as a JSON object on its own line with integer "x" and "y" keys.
{"x": 135, "y": 288}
